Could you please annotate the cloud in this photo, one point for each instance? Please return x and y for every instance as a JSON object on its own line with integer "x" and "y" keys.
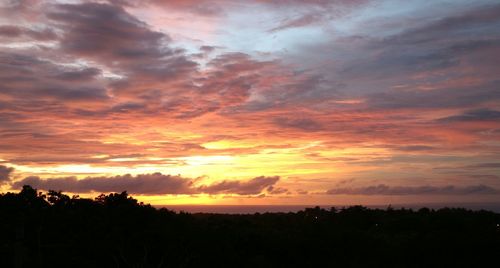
{"x": 220, "y": 7}
{"x": 5, "y": 173}
{"x": 27, "y": 77}
{"x": 383, "y": 189}
{"x": 305, "y": 124}
{"x": 414, "y": 148}
{"x": 301, "y": 21}
{"x": 432, "y": 63}
{"x": 18, "y": 9}
{"x": 105, "y": 32}
{"x": 155, "y": 183}
{"x": 10, "y": 31}
{"x": 250, "y": 187}
{"x": 17, "y": 32}
{"x": 312, "y": 12}
{"x": 482, "y": 19}
{"x": 277, "y": 190}
{"x": 483, "y": 165}
{"x": 452, "y": 97}
{"x": 79, "y": 74}
{"x": 207, "y": 49}
{"x": 224, "y": 86}
{"x": 112, "y": 36}
{"x": 439, "y": 44}
{"x": 473, "y": 115}
{"x": 196, "y": 7}
{"x": 148, "y": 184}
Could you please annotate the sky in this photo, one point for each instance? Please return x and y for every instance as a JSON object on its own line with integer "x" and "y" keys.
{"x": 248, "y": 102}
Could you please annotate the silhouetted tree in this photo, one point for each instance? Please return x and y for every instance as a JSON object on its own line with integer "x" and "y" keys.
{"x": 115, "y": 230}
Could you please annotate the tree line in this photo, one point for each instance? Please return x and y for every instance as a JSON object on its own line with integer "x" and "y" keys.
{"x": 52, "y": 229}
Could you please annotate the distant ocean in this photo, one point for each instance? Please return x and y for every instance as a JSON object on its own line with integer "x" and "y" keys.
{"x": 251, "y": 209}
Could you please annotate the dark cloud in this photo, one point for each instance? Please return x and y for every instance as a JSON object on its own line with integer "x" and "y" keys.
{"x": 119, "y": 108}
{"x": 79, "y": 74}
{"x": 313, "y": 12}
{"x": 482, "y": 19}
{"x": 415, "y": 148}
{"x": 301, "y": 21}
{"x": 112, "y": 36}
{"x": 474, "y": 115}
{"x": 72, "y": 93}
{"x": 405, "y": 59}
{"x": 10, "y": 31}
{"x": 16, "y": 32}
{"x": 292, "y": 89}
{"x": 197, "y": 7}
{"x": 106, "y": 31}
{"x": 149, "y": 184}
{"x": 5, "y": 173}
{"x": 155, "y": 183}
{"x": 208, "y": 49}
{"x": 305, "y": 124}
{"x": 25, "y": 76}
{"x": 484, "y": 165}
{"x": 453, "y": 97}
{"x": 383, "y": 189}
{"x": 250, "y": 187}
{"x": 455, "y": 41}
{"x": 127, "y": 106}
{"x": 277, "y": 190}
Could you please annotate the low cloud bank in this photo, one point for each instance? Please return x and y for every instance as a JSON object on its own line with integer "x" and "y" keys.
{"x": 149, "y": 184}
{"x": 383, "y": 189}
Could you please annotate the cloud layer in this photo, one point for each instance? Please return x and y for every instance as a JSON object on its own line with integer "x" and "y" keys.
{"x": 372, "y": 90}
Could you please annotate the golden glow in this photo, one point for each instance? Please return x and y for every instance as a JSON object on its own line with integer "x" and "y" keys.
{"x": 124, "y": 159}
{"x": 196, "y": 161}
{"x": 226, "y": 144}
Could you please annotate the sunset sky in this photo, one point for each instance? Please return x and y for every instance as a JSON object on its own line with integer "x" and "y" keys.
{"x": 252, "y": 101}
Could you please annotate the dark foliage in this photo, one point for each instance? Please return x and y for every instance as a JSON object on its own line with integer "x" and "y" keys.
{"x": 55, "y": 230}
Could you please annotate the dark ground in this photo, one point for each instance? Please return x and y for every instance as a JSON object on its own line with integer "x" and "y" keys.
{"x": 54, "y": 230}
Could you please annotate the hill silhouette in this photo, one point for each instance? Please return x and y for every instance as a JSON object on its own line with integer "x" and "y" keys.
{"x": 115, "y": 230}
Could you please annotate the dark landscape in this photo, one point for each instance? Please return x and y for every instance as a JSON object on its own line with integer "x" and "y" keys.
{"x": 115, "y": 230}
